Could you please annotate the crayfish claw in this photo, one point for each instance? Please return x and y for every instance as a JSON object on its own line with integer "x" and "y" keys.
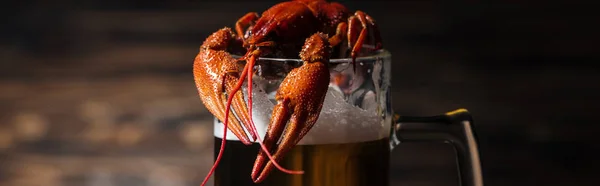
{"x": 216, "y": 73}
{"x": 300, "y": 98}
{"x": 280, "y": 117}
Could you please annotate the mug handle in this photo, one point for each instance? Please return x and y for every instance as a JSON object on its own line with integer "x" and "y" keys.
{"x": 455, "y": 128}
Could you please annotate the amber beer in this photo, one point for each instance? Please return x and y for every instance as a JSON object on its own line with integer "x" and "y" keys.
{"x": 346, "y": 164}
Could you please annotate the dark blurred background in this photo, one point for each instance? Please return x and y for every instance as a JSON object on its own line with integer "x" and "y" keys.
{"x": 101, "y": 92}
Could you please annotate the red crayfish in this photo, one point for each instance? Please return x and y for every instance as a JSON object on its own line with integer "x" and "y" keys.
{"x": 312, "y": 29}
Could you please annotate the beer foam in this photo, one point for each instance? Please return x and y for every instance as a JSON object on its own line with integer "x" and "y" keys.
{"x": 339, "y": 121}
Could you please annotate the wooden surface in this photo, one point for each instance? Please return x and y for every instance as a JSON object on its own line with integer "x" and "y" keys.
{"x": 101, "y": 93}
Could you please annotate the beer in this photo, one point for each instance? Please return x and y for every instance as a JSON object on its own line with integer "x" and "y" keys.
{"x": 343, "y": 164}
{"x": 347, "y": 146}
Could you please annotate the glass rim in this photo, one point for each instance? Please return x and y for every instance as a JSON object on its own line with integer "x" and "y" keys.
{"x": 378, "y": 54}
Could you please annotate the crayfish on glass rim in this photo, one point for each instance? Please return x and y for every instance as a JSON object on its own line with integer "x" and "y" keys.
{"x": 314, "y": 30}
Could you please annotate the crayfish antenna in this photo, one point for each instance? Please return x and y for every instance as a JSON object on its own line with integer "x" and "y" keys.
{"x": 225, "y": 123}
{"x": 222, "y": 149}
{"x": 247, "y": 70}
{"x": 241, "y": 110}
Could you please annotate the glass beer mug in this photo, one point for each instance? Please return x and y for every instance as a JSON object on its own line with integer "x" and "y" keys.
{"x": 350, "y": 143}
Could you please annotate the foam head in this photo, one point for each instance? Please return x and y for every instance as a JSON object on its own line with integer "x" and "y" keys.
{"x": 339, "y": 121}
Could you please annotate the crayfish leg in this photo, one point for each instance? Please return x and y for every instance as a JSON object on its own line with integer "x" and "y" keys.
{"x": 339, "y": 36}
{"x": 356, "y": 40}
{"x": 245, "y": 21}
